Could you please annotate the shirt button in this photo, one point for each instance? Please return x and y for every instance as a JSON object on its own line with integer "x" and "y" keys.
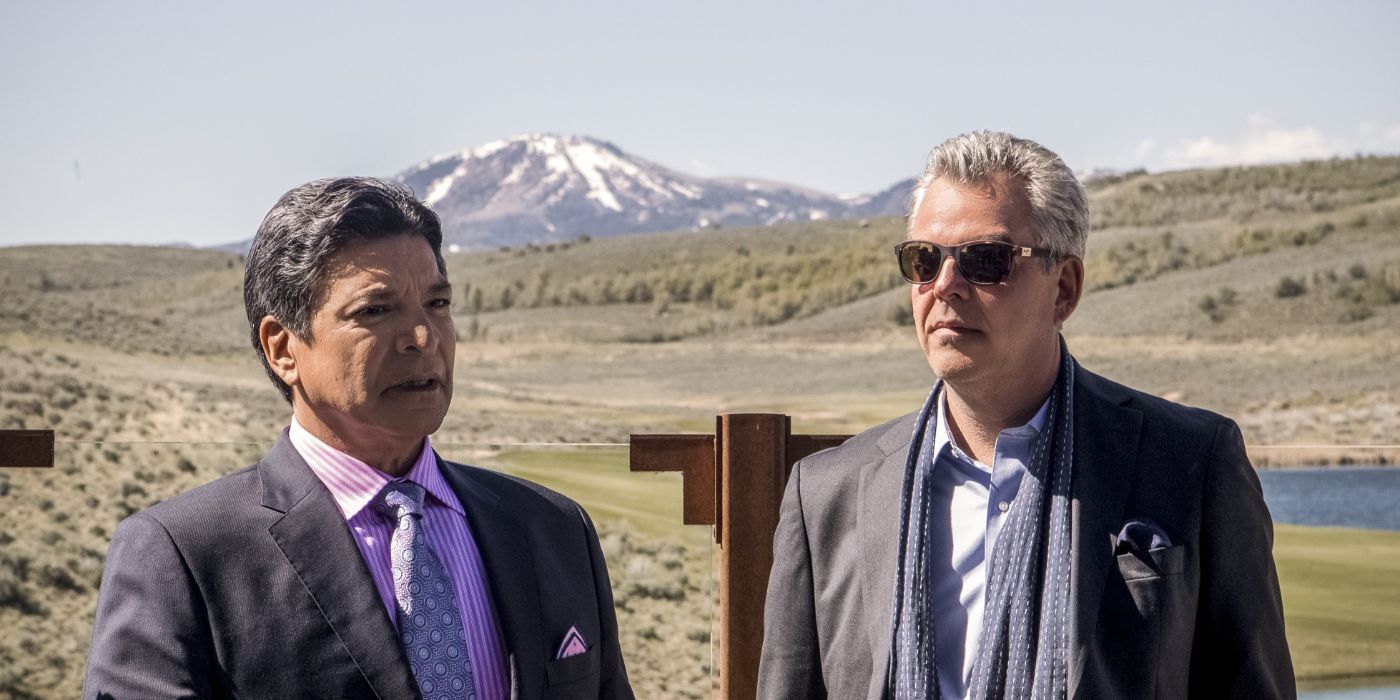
{"x": 1003, "y": 506}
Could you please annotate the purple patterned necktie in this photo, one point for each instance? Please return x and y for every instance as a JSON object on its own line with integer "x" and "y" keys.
{"x": 430, "y": 626}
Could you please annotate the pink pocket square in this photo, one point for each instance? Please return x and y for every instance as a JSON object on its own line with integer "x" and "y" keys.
{"x": 573, "y": 645}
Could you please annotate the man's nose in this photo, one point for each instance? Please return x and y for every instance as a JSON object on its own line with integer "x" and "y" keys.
{"x": 418, "y": 335}
{"x": 949, "y": 282}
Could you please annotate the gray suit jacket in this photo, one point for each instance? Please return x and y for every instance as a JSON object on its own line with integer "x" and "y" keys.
{"x": 1201, "y": 618}
{"x": 252, "y": 586}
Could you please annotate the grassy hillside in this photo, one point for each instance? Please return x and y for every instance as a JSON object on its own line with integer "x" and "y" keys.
{"x": 1267, "y": 293}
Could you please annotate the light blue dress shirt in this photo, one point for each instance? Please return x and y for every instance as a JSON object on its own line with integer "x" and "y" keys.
{"x": 967, "y": 507}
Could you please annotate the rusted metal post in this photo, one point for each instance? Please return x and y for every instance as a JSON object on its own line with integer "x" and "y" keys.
{"x": 753, "y": 469}
{"x": 26, "y": 448}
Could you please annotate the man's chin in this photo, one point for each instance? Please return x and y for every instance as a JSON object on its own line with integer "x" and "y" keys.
{"x": 419, "y": 425}
{"x": 950, "y": 365}
{"x": 410, "y": 421}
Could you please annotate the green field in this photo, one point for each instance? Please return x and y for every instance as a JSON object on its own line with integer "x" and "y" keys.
{"x": 1341, "y": 598}
{"x": 650, "y": 502}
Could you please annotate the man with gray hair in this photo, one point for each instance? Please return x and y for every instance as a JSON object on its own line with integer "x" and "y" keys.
{"x": 1035, "y": 530}
{"x": 352, "y": 561}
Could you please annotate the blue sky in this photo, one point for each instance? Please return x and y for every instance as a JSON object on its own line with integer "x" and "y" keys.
{"x": 159, "y": 122}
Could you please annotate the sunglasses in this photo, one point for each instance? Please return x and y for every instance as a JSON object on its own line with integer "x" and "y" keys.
{"x": 980, "y": 262}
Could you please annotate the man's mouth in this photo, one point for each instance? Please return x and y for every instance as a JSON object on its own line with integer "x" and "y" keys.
{"x": 952, "y": 326}
{"x": 417, "y": 385}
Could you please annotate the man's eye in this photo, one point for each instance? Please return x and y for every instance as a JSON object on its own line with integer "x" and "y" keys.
{"x": 375, "y": 310}
{"x": 440, "y": 303}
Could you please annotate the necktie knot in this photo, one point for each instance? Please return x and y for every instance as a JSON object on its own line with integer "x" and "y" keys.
{"x": 400, "y": 498}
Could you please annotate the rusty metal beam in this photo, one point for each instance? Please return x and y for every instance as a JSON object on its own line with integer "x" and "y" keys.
{"x": 26, "y": 448}
{"x": 800, "y": 447}
{"x": 690, "y": 454}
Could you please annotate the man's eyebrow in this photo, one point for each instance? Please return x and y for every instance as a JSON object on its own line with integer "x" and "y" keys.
{"x": 997, "y": 236}
{"x": 440, "y": 287}
{"x": 377, "y": 289}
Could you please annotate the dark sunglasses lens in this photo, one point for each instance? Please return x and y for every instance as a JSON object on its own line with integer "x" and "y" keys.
{"x": 919, "y": 264}
{"x": 985, "y": 263}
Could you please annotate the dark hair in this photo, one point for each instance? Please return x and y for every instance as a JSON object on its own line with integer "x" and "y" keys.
{"x": 286, "y": 266}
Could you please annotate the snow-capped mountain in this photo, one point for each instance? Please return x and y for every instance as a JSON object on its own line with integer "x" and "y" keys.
{"x": 546, "y": 187}
{"x": 891, "y": 201}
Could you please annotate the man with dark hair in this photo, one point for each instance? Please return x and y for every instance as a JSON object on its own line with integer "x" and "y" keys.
{"x": 1036, "y": 530}
{"x": 352, "y": 561}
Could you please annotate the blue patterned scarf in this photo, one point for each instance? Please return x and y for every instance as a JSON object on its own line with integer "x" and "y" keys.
{"x": 1023, "y": 650}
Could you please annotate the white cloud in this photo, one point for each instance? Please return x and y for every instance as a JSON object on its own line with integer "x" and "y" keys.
{"x": 1264, "y": 141}
{"x": 1380, "y": 137}
{"x": 1144, "y": 150}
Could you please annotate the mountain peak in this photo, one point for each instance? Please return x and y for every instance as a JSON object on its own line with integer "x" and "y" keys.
{"x": 539, "y": 187}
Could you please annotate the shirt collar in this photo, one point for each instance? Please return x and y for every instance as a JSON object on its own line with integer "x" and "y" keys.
{"x": 354, "y": 484}
{"x": 943, "y": 436}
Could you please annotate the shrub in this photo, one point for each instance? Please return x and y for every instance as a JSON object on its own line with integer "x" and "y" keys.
{"x": 1289, "y": 287}
{"x": 1211, "y": 307}
{"x": 14, "y": 572}
{"x": 60, "y": 579}
{"x": 14, "y": 595}
{"x": 901, "y": 313}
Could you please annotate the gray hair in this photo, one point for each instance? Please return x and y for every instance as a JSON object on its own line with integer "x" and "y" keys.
{"x": 1059, "y": 207}
{"x": 286, "y": 266}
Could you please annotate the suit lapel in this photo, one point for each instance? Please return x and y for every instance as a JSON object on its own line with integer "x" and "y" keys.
{"x": 1106, "y": 438}
{"x": 877, "y": 521}
{"x": 312, "y": 534}
{"x": 510, "y": 568}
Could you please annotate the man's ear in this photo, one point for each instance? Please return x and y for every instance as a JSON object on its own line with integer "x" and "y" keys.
{"x": 276, "y": 340}
{"x": 1069, "y": 288}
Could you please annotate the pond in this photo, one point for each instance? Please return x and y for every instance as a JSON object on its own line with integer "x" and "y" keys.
{"x": 1389, "y": 692}
{"x": 1363, "y": 497}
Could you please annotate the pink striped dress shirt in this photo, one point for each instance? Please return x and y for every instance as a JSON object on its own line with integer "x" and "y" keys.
{"x": 354, "y": 486}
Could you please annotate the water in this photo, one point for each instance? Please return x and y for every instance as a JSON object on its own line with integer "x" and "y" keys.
{"x": 1385, "y": 693}
{"x": 1363, "y": 497}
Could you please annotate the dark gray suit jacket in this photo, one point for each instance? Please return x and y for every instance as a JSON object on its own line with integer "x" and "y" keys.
{"x": 1202, "y": 618}
{"x": 252, "y": 586}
